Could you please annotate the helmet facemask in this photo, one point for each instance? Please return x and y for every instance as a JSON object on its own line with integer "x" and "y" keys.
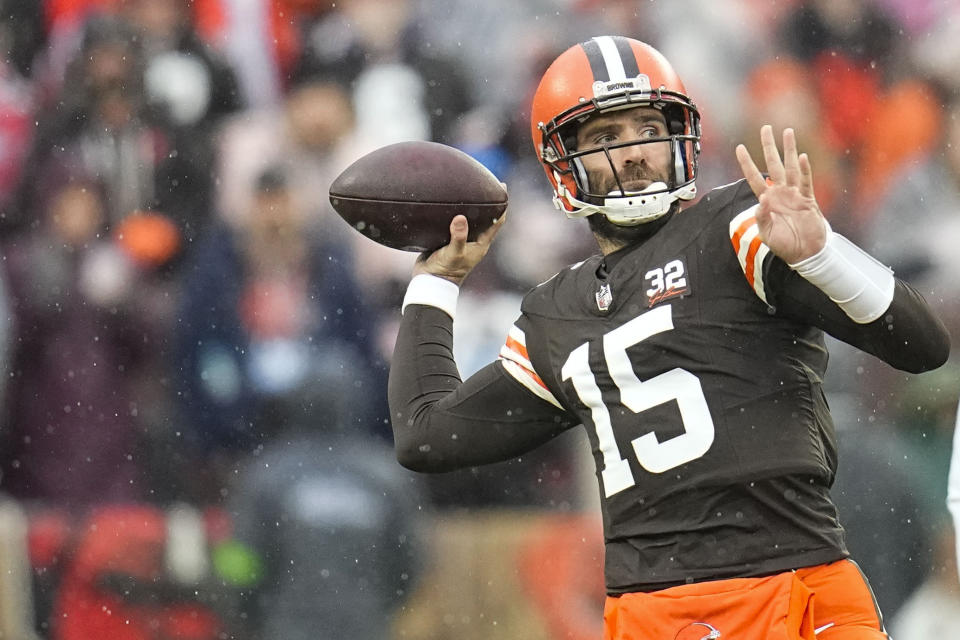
{"x": 579, "y": 198}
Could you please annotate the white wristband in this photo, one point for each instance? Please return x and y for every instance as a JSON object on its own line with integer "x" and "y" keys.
{"x": 432, "y": 291}
{"x": 859, "y": 284}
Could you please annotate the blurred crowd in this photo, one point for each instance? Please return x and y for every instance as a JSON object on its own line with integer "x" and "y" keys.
{"x": 194, "y": 347}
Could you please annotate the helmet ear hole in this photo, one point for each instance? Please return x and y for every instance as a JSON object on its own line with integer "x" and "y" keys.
{"x": 676, "y": 122}
{"x": 679, "y": 163}
{"x": 568, "y": 135}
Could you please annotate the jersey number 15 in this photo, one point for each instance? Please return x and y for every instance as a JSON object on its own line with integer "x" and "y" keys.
{"x": 638, "y": 396}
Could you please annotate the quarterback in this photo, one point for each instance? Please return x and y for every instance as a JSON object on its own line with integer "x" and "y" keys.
{"x": 691, "y": 349}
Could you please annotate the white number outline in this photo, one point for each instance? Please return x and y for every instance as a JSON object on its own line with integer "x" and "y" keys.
{"x": 673, "y": 271}
{"x": 638, "y": 396}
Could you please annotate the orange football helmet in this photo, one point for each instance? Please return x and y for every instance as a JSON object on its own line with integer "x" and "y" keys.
{"x": 604, "y": 74}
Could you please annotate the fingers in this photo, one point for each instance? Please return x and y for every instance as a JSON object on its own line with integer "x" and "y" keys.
{"x": 750, "y": 171}
{"x": 771, "y": 155}
{"x": 793, "y": 170}
{"x": 460, "y": 228}
{"x": 806, "y": 176}
{"x": 458, "y": 232}
{"x": 454, "y": 260}
{"x": 490, "y": 232}
{"x": 791, "y": 163}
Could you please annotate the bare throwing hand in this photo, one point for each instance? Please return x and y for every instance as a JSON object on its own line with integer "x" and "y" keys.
{"x": 789, "y": 218}
{"x": 455, "y": 260}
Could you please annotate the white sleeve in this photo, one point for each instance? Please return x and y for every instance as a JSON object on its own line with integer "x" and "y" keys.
{"x": 856, "y": 281}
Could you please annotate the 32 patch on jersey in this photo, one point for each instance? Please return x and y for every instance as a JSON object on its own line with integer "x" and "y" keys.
{"x": 668, "y": 281}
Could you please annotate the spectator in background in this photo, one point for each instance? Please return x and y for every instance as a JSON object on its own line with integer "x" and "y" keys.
{"x": 858, "y": 29}
{"x": 933, "y": 610}
{"x": 310, "y": 134}
{"x": 154, "y": 172}
{"x": 186, "y": 78}
{"x": 326, "y": 521}
{"x": 921, "y": 242}
{"x": 935, "y": 41}
{"x": 856, "y": 63}
{"x": 267, "y": 305}
{"x": 7, "y": 331}
{"x": 102, "y": 126}
{"x": 887, "y": 516}
{"x": 7, "y": 334}
{"x": 62, "y": 24}
{"x": 264, "y": 41}
{"x": 22, "y": 34}
{"x": 133, "y": 571}
{"x": 16, "y": 128}
{"x": 402, "y": 90}
{"x": 73, "y": 429}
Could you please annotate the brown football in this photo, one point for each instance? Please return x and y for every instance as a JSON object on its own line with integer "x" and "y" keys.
{"x": 404, "y": 195}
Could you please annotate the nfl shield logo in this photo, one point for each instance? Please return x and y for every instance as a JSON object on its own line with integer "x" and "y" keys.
{"x": 604, "y": 297}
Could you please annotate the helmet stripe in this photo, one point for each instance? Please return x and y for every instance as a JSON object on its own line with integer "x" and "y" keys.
{"x": 594, "y": 56}
{"x": 611, "y": 58}
{"x": 627, "y": 57}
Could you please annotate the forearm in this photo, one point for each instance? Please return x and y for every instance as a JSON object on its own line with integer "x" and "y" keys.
{"x": 440, "y": 423}
{"x": 906, "y": 335}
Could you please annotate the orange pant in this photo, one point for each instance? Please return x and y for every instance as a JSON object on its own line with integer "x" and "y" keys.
{"x": 826, "y": 602}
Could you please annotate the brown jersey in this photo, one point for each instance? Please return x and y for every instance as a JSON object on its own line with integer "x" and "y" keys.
{"x": 712, "y": 438}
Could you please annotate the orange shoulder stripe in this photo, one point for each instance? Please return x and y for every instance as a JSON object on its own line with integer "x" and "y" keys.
{"x": 742, "y": 229}
{"x": 515, "y": 345}
{"x": 751, "y": 264}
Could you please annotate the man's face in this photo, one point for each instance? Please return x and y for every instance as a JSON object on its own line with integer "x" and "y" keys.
{"x": 275, "y": 214}
{"x": 637, "y": 165}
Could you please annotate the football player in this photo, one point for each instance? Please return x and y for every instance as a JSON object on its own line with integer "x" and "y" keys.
{"x": 692, "y": 351}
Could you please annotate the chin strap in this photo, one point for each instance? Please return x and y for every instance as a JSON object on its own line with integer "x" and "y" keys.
{"x": 631, "y": 209}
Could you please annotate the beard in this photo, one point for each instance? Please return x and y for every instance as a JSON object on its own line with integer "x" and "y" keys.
{"x": 634, "y": 177}
{"x": 626, "y": 235}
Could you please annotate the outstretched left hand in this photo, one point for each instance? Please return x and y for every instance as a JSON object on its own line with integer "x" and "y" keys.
{"x": 789, "y": 218}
